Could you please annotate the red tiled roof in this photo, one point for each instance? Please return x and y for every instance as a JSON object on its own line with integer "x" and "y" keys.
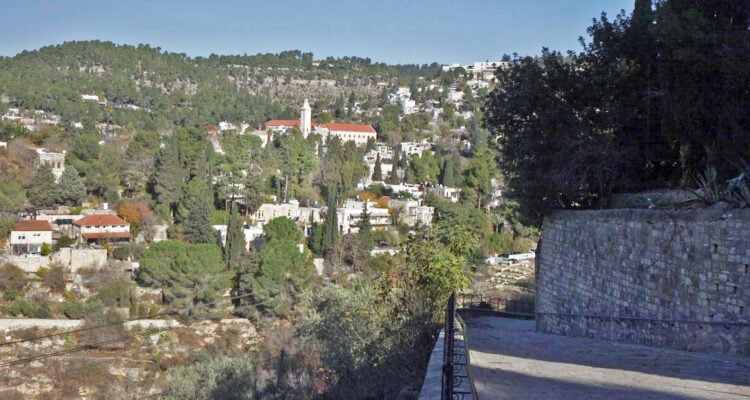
{"x": 28, "y": 225}
{"x": 100, "y": 220}
{"x": 335, "y": 126}
{"x": 285, "y": 122}
{"x": 107, "y": 235}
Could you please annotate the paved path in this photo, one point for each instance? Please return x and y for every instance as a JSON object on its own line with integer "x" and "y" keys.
{"x": 511, "y": 361}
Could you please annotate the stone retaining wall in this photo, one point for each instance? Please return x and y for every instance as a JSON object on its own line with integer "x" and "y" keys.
{"x": 678, "y": 279}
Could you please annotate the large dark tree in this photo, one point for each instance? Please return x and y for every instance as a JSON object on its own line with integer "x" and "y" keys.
{"x": 168, "y": 175}
{"x": 652, "y": 100}
{"x": 42, "y": 190}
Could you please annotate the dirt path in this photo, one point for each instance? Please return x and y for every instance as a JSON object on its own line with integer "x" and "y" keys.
{"x": 511, "y": 361}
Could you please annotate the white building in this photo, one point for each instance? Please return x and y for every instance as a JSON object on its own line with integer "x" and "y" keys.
{"x": 305, "y": 119}
{"x": 450, "y": 193}
{"x": 412, "y": 212}
{"x": 357, "y": 133}
{"x": 267, "y": 212}
{"x": 409, "y": 149}
{"x": 28, "y": 236}
{"x": 350, "y": 214}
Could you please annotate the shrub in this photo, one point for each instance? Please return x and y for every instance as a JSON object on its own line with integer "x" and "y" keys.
{"x": 74, "y": 309}
{"x": 42, "y": 311}
{"x": 133, "y": 251}
{"x": 116, "y": 293}
{"x": 46, "y": 249}
{"x": 63, "y": 241}
{"x": 22, "y": 306}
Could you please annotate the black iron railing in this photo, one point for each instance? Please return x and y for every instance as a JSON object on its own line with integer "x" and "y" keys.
{"x": 504, "y": 304}
{"x": 456, "y": 381}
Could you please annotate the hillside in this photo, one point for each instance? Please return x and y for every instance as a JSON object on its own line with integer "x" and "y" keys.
{"x": 144, "y": 84}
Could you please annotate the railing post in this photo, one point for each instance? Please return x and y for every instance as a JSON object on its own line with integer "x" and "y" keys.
{"x": 450, "y": 309}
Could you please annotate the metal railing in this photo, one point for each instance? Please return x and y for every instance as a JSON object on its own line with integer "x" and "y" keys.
{"x": 503, "y": 304}
{"x": 456, "y": 380}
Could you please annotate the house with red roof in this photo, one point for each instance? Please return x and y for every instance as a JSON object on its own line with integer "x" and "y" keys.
{"x": 28, "y": 236}
{"x": 98, "y": 228}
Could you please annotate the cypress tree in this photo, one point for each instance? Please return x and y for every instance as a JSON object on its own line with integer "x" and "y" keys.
{"x": 377, "y": 174}
{"x": 393, "y": 178}
{"x": 71, "y": 190}
{"x": 331, "y": 226}
{"x": 365, "y": 228}
{"x": 235, "y": 249}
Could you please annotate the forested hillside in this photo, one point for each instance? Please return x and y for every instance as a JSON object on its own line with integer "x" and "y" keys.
{"x": 144, "y": 85}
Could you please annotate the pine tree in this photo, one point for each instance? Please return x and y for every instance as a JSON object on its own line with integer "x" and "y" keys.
{"x": 71, "y": 190}
{"x": 393, "y": 178}
{"x": 377, "y": 174}
{"x": 42, "y": 190}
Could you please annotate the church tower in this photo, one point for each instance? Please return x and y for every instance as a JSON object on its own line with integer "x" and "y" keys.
{"x": 305, "y": 119}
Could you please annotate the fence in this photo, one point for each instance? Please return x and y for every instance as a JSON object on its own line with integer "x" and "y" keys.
{"x": 456, "y": 381}
{"x": 508, "y": 305}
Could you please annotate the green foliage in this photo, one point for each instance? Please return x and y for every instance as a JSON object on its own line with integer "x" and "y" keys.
{"x": 129, "y": 251}
{"x": 22, "y": 306}
{"x": 117, "y": 293}
{"x": 649, "y": 102}
{"x": 284, "y": 273}
{"x": 424, "y": 169}
{"x": 42, "y": 190}
{"x": 282, "y": 228}
{"x": 236, "y": 254}
{"x": 166, "y": 186}
{"x": 193, "y": 276}
{"x": 377, "y": 173}
{"x": 63, "y": 241}
{"x": 12, "y": 196}
{"x": 45, "y": 250}
{"x": 71, "y": 190}
{"x": 196, "y": 210}
{"x": 477, "y": 185}
{"x": 74, "y": 308}
{"x": 331, "y": 225}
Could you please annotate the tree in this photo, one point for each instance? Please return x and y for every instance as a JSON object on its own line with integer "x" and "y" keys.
{"x": 393, "y": 177}
{"x": 168, "y": 175}
{"x": 377, "y": 173}
{"x": 192, "y": 277}
{"x": 196, "y": 209}
{"x": 477, "y": 178}
{"x": 365, "y": 228}
{"x": 284, "y": 273}
{"x": 236, "y": 255}
{"x": 71, "y": 190}
{"x": 282, "y": 228}
{"x": 331, "y": 225}
{"x": 42, "y": 190}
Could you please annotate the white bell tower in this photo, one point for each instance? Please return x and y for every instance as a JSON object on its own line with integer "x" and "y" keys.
{"x": 305, "y": 119}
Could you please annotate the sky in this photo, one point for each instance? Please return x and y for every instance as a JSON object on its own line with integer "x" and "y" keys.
{"x": 390, "y": 31}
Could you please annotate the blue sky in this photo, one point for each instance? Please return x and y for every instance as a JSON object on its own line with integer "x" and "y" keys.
{"x": 391, "y": 31}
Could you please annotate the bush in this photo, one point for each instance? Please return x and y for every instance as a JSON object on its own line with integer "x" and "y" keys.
{"x": 22, "y": 306}
{"x": 116, "y": 293}
{"x": 42, "y": 311}
{"x": 133, "y": 251}
{"x": 63, "y": 241}
{"x": 74, "y": 309}
{"x": 46, "y": 249}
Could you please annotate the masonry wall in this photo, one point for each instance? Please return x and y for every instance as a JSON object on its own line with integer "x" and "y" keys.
{"x": 677, "y": 279}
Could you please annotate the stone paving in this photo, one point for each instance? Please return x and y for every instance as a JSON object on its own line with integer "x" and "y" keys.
{"x": 509, "y": 360}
